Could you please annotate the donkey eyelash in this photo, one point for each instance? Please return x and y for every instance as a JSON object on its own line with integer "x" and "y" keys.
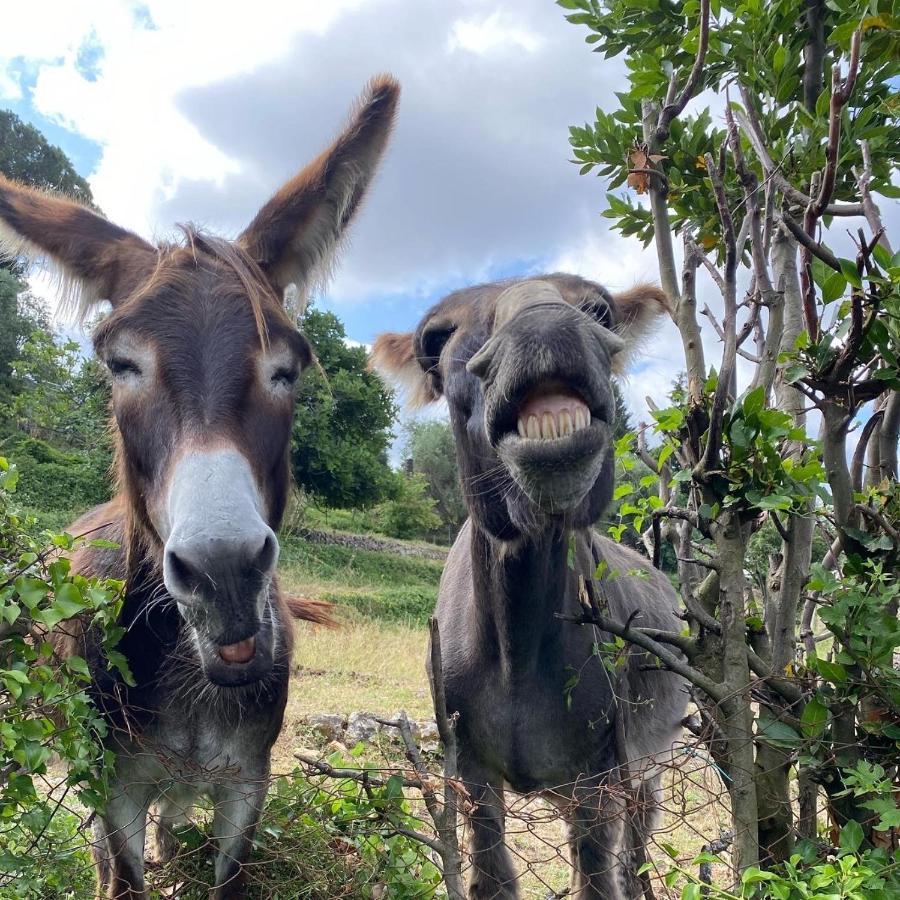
{"x": 598, "y": 311}
{"x": 119, "y": 367}
{"x": 285, "y": 376}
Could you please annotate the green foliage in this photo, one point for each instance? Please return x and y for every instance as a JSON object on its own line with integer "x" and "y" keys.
{"x": 845, "y": 874}
{"x": 27, "y": 156}
{"x": 431, "y": 447}
{"x": 62, "y": 867}
{"x": 342, "y": 421}
{"x": 52, "y": 479}
{"x": 20, "y": 316}
{"x": 47, "y": 711}
{"x": 410, "y": 511}
{"x": 661, "y": 37}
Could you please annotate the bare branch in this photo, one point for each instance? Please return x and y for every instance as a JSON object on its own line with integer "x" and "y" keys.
{"x": 671, "y": 111}
{"x": 873, "y": 214}
{"x": 817, "y": 249}
{"x": 813, "y": 53}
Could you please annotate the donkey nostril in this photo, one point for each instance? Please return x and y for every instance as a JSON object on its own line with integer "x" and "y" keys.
{"x": 265, "y": 559}
{"x": 181, "y": 573}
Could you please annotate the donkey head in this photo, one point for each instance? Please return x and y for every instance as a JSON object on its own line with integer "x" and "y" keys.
{"x": 526, "y": 370}
{"x": 203, "y": 359}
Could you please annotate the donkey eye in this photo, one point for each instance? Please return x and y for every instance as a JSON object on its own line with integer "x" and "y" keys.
{"x": 602, "y": 313}
{"x": 120, "y": 367}
{"x": 433, "y": 342}
{"x": 285, "y": 376}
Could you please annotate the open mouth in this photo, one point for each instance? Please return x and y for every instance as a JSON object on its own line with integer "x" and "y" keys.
{"x": 553, "y": 441}
{"x": 550, "y": 411}
{"x": 242, "y": 662}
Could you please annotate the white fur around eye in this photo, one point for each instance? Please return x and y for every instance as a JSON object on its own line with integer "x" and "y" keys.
{"x": 279, "y": 370}
{"x": 131, "y": 364}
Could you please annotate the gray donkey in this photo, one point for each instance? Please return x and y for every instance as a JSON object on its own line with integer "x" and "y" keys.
{"x": 526, "y": 369}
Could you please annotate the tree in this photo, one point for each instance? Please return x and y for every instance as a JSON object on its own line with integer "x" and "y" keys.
{"x": 623, "y": 415}
{"x": 753, "y": 204}
{"x": 20, "y": 315}
{"x": 342, "y": 421}
{"x": 410, "y": 511}
{"x": 27, "y": 156}
{"x": 432, "y": 449}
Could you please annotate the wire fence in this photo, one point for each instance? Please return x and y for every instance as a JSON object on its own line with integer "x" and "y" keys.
{"x": 361, "y": 823}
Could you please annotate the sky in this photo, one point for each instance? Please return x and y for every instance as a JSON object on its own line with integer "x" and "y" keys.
{"x": 182, "y": 111}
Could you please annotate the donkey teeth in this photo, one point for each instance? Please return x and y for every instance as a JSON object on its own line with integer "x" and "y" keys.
{"x": 548, "y": 426}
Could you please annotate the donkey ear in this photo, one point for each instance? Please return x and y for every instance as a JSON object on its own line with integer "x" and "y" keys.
{"x": 638, "y": 310}
{"x": 393, "y": 357}
{"x": 295, "y": 235}
{"x": 95, "y": 259}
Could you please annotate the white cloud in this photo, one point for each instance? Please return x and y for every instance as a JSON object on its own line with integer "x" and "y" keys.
{"x": 127, "y": 105}
{"x": 484, "y": 34}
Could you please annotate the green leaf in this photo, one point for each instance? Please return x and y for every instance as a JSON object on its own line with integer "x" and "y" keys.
{"x": 78, "y": 665}
{"x": 851, "y": 836}
{"x": 779, "y": 59}
{"x": 69, "y": 601}
{"x": 754, "y": 401}
{"x": 775, "y": 732}
{"x": 833, "y": 287}
{"x": 830, "y": 671}
{"x": 814, "y": 718}
{"x": 850, "y": 272}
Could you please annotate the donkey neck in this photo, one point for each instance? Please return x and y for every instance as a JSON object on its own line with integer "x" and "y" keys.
{"x": 519, "y": 593}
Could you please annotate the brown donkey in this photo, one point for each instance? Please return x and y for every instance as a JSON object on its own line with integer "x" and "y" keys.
{"x": 526, "y": 370}
{"x": 203, "y": 360}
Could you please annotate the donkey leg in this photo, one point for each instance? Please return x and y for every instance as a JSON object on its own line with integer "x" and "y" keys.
{"x": 493, "y": 876}
{"x": 642, "y": 820}
{"x": 169, "y": 813}
{"x": 120, "y": 868}
{"x": 238, "y": 806}
{"x": 596, "y": 831}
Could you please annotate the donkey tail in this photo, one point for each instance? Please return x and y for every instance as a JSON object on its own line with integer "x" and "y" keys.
{"x": 320, "y": 612}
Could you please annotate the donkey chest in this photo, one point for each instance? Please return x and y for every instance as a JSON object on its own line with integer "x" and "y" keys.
{"x": 195, "y": 750}
{"x": 540, "y": 729}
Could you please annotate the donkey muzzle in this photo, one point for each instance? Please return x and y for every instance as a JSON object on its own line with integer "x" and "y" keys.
{"x": 218, "y": 563}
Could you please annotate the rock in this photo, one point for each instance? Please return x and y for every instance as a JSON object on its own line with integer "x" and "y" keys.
{"x": 338, "y": 747}
{"x": 361, "y": 727}
{"x": 330, "y": 727}
{"x": 413, "y": 726}
{"x": 429, "y": 736}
